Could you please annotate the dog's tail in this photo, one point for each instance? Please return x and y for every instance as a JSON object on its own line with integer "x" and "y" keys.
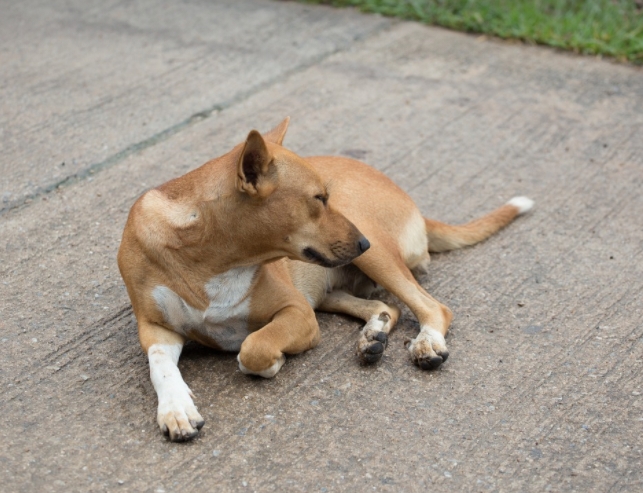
{"x": 444, "y": 237}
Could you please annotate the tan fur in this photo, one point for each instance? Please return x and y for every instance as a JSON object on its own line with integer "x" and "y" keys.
{"x": 262, "y": 205}
{"x": 444, "y": 237}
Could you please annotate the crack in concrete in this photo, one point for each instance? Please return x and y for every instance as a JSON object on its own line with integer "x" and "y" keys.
{"x": 163, "y": 135}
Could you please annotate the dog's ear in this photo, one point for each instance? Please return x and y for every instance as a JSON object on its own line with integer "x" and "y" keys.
{"x": 255, "y": 170}
{"x": 277, "y": 134}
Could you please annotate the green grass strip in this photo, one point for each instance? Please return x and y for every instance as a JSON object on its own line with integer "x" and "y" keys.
{"x": 594, "y": 27}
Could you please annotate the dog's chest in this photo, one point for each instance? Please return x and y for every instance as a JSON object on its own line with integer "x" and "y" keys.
{"x": 229, "y": 295}
{"x": 224, "y": 323}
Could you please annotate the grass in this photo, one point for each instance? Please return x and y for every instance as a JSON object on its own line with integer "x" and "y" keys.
{"x": 594, "y": 27}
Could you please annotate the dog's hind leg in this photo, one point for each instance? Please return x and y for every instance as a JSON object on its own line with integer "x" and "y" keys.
{"x": 380, "y": 319}
{"x": 177, "y": 415}
{"x": 383, "y": 263}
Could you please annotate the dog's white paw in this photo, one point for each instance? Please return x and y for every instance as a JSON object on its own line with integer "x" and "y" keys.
{"x": 178, "y": 416}
{"x": 374, "y": 338}
{"x": 268, "y": 372}
{"x": 429, "y": 349}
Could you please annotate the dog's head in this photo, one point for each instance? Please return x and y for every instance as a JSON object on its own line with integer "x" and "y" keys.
{"x": 291, "y": 207}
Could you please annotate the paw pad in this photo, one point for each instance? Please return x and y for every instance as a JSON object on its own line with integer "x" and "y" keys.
{"x": 371, "y": 347}
{"x": 430, "y": 363}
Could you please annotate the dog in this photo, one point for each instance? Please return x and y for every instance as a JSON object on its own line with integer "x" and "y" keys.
{"x": 238, "y": 253}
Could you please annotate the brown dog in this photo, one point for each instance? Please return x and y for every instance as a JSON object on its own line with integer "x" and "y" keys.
{"x": 238, "y": 253}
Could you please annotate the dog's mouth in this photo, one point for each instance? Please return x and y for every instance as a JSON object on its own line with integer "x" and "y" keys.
{"x": 317, "y": 258}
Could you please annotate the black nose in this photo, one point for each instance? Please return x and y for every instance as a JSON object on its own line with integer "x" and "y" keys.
{"x": 363, "y": 244}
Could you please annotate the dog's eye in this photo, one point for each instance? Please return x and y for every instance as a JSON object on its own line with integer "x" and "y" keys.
{"x": 322, "y": 198}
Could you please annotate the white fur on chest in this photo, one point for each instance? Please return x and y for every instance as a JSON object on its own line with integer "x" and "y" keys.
{"x": 224, "y": 321}
{"x": 229, "y": 295}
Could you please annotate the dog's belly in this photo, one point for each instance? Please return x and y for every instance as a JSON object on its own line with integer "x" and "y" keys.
{"x": 316, "y": 282}
{"x": 224, "y": 323}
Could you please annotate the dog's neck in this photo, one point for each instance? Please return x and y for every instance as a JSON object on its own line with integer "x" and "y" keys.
{"x": 207, "y": 215}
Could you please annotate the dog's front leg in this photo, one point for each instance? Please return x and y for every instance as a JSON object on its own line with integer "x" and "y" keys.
{"x": 177, "y": 415}
{"x": 293, "y": 329}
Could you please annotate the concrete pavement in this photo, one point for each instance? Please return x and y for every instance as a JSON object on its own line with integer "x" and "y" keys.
{"x": 543, "y": 387}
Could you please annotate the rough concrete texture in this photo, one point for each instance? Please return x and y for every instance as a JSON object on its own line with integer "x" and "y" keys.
{"x": 543, "y": 387}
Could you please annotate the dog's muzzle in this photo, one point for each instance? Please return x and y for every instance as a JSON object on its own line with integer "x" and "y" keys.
{"x": 343, "y": 256}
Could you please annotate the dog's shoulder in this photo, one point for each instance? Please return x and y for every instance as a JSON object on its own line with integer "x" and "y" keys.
{"x": 158, "y": 219}
{"x": 156, "y": 206}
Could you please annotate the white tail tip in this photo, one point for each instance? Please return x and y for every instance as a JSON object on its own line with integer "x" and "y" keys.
{"x": 523, "y": 204}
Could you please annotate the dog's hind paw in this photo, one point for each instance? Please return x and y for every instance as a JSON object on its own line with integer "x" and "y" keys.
{"x": 374, "y": 339}
{"x": 370, "y": 347}
{"x": 429, "y": 349}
